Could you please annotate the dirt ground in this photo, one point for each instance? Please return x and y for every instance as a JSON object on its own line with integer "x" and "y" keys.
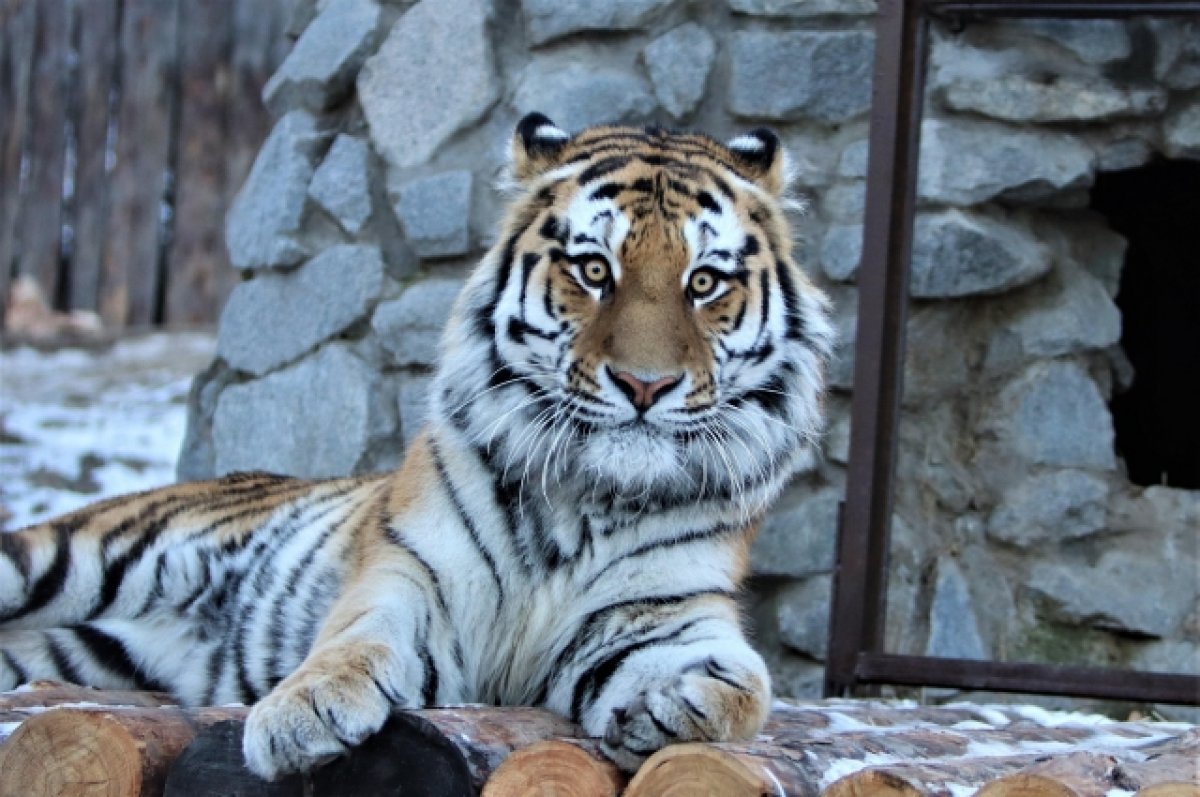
{"x": 77, "y": 425}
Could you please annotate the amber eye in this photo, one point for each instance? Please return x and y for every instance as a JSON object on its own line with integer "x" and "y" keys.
{"x": 596, "y": 273}
{"x": 703, "y": 283}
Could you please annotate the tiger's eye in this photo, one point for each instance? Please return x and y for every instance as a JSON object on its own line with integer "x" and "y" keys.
{"x": 596, "y": 273}
{"x": 702, "y": 283}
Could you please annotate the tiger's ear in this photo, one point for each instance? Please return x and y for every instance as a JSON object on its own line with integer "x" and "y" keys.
{"x": 536, "y": 146}
{"x": 759, "y": 155}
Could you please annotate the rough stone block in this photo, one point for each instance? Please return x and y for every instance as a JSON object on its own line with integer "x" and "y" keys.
{"x": 1181, "y": 131}
{"x": 435, "y": 212}
{"x": 1177, "y": 55}
{"x": 804, "y": 616}
{"x": 820, "y": 75}
{"x": 1022, "y": 98}
{"x": 965, "y": 163}
{"x": 678, "y": 63}
{"x": 578, "y": 95}
{"x": 1093, "y": 41}
{"x": 320, "y": 69}
{"x": 1139, "y": 592}
{"x": 274, "y": 318}
{"x": 845, "y": 323}
{"x": 802, "y": 8}
{"x": 846, "y": 201}
{"x": 1073, "y": 314}
{"x": 341, "y": 184}
{"x": 853, "y": 162}
{"x": 262, "y": 228}
{"x": 798, "y": 537}
{"x": 434, "y": 75}
{"x": 841, "y": 251}
{"x": 546, "y": 20}
{"x": 310, "y": 420}
{"x": 953, "y": 627}
{"x": 410, "y": 328}
{"x": 961, "y": 254}
{"x": 1051, "y": 508}
{"x": 1054, "y": 415}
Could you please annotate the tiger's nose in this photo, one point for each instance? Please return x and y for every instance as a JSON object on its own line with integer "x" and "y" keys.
{"x": 640, "y": 393}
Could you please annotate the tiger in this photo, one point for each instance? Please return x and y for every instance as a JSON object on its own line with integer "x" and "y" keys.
{"x": 627, "y": 380}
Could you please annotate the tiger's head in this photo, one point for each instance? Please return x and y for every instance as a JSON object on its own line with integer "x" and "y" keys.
{"x": 640, "y": 330}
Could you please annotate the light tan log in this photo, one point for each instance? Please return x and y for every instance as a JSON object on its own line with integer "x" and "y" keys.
{"x": 556, "y": 768}
{"x": 100, "y": 752}
{"x": 42, "y": 694}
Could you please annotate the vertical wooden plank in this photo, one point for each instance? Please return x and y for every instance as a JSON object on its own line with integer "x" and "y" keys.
{"x": 39, "y": 217}
{"x": 16, "y": 58}
{"x": 97, "y": 25}
{"x": 149, "y": 39}
{"x": 199, "y": 275}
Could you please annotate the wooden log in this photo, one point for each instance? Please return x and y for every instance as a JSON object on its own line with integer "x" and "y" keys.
{"x": 131, "y": 280}
{"x": 115, "y": 752}
{"x": 436, "y": 752}
{"x": 44, "y": 694}
{"x": 556, "y": 768}
{"x": 40, "y": 217}
{"x": 98, "y": 37}
{"x": 199, "y": 276}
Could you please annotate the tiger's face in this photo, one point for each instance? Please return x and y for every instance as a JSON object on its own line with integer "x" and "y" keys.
{"x": 641, "y": 329}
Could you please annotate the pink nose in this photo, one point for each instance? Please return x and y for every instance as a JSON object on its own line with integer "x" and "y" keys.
{"x": 643, "y": 394}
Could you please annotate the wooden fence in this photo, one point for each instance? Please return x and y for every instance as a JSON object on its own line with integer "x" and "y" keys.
{"x": 126, "y": 128}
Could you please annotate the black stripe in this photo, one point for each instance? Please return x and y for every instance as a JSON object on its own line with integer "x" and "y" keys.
{"x": 430, "y": 686}
{"x": 110, "y": 653}
{"x": 591, "y": 683}
{"x": 528, "y": 261}
{"x": 278, "y": 612}
{"x": 15, "y": 548}
{"x": 466, "y": 521}
{"x": 679, "y": 539}
{"x": 62, "y": 662}
{"x": 707, "y": 202}
{"x": 15, "y": 666}
{"x": 791, "y": 302}
{"x": 47, "y": 587}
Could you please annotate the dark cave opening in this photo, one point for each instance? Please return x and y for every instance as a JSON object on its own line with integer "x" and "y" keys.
{"x": 1157, "y": 208}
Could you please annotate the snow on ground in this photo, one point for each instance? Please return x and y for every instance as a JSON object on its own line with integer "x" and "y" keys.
{"x": 77, "y": 425}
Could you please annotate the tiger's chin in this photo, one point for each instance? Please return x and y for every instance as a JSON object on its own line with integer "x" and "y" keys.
{"x": 632, "y": 459}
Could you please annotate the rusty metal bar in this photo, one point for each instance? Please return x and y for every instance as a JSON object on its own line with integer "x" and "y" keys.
{"x": 858, "y": 605}
{"x": 1002, "y": 676}
{"x": 859, "y": 593}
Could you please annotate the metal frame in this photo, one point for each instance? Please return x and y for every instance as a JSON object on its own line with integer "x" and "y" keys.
{"x": 856, "y": 660}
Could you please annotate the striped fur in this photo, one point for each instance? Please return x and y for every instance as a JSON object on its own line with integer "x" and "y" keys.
{"x": 555, "y": 537}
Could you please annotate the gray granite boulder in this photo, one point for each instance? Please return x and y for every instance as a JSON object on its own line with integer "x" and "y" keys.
{"x": 802, "y": 8}
{"x": 274, "y": 318}
{"x": 311, "y": 420}
{"x": 965, "y": 163}
{"x": 434, "y": 75}
{"x": 320, "y": 69}
{"x": 1051, "y": 508}
{"x": 410, "y": 327}
{"x": 841, "y": 251}
{"x": 678, "y": 63}
{"x": 577, "y": 95}
{"x": 1054, "y": 415}
{"x": 799, "y": 536}
{"x": 824, "y": 76}
{"x": 546, "y": 20}
{"x": 342, "y": 184}
{"x": 435, "y": 212}
{"x": 964, "y": 254}
{"x": 1021, "y": 98}
{"x": 953, "y": 627}
{"x": 804, "y": 616}
{"x": 1181, "y": 131}
{"x": 262, "y": 228}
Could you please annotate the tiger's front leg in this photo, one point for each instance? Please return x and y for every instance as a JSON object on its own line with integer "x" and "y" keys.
{"x": 371, "y": 655}
{"x": 704, "y": 684}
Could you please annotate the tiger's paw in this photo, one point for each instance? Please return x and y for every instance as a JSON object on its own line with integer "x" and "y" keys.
{"x": 311, "y": 717}
{"x": 705, "y": 703}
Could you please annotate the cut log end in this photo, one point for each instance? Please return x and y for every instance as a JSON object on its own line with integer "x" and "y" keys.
{"x": 872, "y": 783}
{"x": 1027, "y": 785}
{"x": 683, "y": 770}
{"x": 553, "y": 768}
{"x": 71, "y": 753}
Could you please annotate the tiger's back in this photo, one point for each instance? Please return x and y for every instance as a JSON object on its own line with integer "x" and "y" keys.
{"x": 629, "y": 378}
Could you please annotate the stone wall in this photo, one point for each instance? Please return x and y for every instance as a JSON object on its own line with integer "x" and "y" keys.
{"x": 1016, "y": 534}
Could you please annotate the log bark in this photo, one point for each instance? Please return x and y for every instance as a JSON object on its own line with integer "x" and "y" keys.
{"x": 556, "y": 768}
{"x": 42, "y": 694}
{"x": 114, "y": 752}
{"x": 437, "y": 752}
